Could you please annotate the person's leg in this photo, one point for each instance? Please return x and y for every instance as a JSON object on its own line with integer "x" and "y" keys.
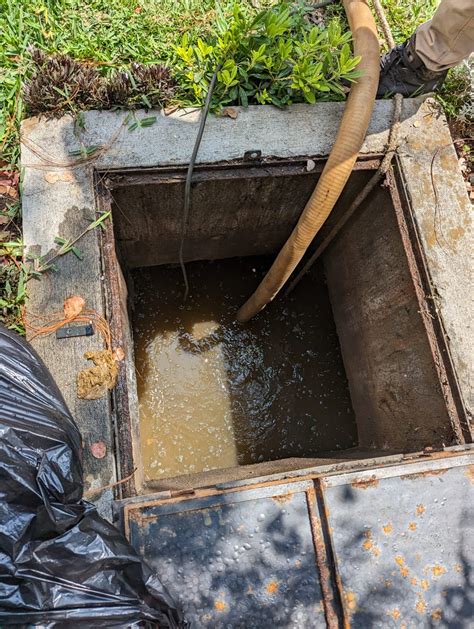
{"x": 448, "y": 38}
{"x": 420, "y": 64}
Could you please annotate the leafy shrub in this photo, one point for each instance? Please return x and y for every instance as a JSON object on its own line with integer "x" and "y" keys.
{"x": 277, "y": 57}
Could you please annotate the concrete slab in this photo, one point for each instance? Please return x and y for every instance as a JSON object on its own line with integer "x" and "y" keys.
{"x": 64, "y": 203}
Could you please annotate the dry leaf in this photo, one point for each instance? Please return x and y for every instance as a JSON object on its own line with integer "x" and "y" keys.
{"x": 8, "y": 191}
{"x": 170, "y": 110}
{"x": 118, "y": 354}
{"x": 73, "y": 306}
{"x": 53, "y": 177}
{"x": 230, "y": 112}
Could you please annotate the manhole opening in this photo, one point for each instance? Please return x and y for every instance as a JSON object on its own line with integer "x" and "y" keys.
{"x": 339, "y": 370}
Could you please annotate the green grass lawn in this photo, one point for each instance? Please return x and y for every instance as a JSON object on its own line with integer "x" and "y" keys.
{"x": 111, "y": 35}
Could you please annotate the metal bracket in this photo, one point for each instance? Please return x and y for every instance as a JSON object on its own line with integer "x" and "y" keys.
{"x": 70, "y": 331}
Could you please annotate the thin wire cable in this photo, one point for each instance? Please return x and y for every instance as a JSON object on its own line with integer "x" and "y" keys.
{"x": 189, "y": 177}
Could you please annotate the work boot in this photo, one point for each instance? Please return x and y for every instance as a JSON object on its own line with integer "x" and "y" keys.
{"x": 403, "y": 72}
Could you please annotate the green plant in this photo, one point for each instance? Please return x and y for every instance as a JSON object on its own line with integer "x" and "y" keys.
{"x": 404, "y": 17}
{"x": 455, "y": 97}
{"x": 41, "y": 264}
{"x": 13, "y": 278}
{"x": 275, "y": 57}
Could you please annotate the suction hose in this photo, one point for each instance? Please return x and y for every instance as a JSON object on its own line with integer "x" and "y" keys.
{"x": 349, "y": 139}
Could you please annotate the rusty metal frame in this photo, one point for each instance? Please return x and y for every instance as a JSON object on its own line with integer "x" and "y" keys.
{"x": 108, "y": 181}
{"x": 337, "y": 607}
{"x": 123, "y": 426}
{"x": 435, "y": 332}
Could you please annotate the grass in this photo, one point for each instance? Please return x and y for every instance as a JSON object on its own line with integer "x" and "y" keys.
{"x": 110, "y": 36}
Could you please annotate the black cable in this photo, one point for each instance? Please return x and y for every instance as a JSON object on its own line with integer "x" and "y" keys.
{"x": 321, "y": 5}
{"x": 189, "y": 176}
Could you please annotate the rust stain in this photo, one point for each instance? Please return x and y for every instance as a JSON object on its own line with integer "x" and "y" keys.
{"x": 350, "y": 601}
{"x": 421, "y": 606}
{"x": 424, "y": 474}
{"x": 365, "y": 484}
{"x": 436, "y": 614}
{"x": 414, "y": 581}
{"x": 387, "y": 529}
{"x": 455, "y": 233}
{"x": 220, "y": 606}
{"x": 282, "y": 499}
{"x": 412, "y": 526}
{"x": 369, "y": 545}
{"x": 457, "y": 567}
{"x": 272, "y": 587}
{"x": 470, "y": 473}
{"x": 420, "y": 509}
{"x": 394, "y": 613}
{"x": 425, "y": 584}
{"x": 404, "y": 571}
{"x": 438, "y": 570}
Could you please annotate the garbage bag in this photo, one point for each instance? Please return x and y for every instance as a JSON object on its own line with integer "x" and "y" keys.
{"x": 59, "y": 560}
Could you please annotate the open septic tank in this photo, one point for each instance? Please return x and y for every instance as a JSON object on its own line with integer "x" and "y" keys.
{"x": 339, "y": 367}
{"x": 233, "y": 428}
{"x": 314, "y": 466}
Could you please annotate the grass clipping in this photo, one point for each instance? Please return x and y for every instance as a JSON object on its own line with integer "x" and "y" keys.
{"x": 92, "y": 382}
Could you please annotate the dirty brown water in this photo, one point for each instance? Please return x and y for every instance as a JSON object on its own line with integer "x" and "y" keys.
{"x": 214, "y": 393}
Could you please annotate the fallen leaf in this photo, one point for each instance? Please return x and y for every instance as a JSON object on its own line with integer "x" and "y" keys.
{"x": 8, "y": 191}
{"x": 98, "y": 449}
{"x": 118, "y": 354}
{"x": 310, "y": 165}
{"x": 73, "y": 306}
{"x": 9, "y": 177}
{"x": 230, "y": 112}
{"x": 53, "y": 177}
{"x": 170, "y": 110}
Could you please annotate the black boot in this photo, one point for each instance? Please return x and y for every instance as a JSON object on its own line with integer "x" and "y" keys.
{"x": 403, "y": 72}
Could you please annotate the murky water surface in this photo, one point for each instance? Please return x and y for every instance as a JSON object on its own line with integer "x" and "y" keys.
{"x": 214, "y": 393}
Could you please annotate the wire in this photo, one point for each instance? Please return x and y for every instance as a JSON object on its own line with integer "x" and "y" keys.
{"x": 321, "y": 5}
{"x": 189, "y": 177}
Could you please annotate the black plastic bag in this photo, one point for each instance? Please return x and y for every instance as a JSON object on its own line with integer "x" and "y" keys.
{"x": 59, "y": 560}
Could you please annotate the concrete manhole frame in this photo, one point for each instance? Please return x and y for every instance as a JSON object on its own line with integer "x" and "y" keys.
{"x": 61, "y": 193}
